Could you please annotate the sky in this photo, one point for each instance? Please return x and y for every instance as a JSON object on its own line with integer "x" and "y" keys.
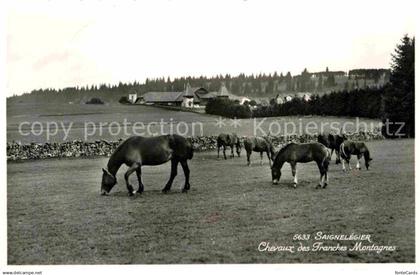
{"x": 57, "y": 44}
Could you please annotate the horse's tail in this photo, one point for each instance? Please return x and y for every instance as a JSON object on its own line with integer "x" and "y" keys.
{"x": 190, "y": 152}
{"x": 343, "y": 151}
{"x": 328, "y": 155}
{"x": 248, "y": 144}
{"x": 326, "y": 159}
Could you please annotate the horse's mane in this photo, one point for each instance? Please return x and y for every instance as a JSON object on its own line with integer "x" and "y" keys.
{"x": 282, "y": 149}
{"x": 285, "y": 147}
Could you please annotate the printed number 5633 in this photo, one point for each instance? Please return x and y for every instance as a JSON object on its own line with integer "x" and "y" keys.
{"x": 302, "y": 237}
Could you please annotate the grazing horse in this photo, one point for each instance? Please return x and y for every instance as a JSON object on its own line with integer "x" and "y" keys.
{"x": 231, "y": 140}
{"x": 261, "y": 145}
{"x": 138, "y": 151}
{"x": 305, "y": 152}
{"x": 349, "y": 148}
{"x": 333, "y": 142}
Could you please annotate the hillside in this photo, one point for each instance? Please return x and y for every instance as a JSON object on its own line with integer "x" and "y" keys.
{"x": 246, "y": 85}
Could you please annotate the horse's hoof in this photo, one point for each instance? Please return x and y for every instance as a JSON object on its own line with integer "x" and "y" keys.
{"x": 164, "y": 191}
{"x": 294, "y": 185}
{"x": 318, "y": 186}
{"x": 325, "y": 186}
{"x": 184, "y": 190}
{"x": 130, "y": 194}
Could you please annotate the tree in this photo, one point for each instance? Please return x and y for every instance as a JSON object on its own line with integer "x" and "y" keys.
{"x": 124, "y": 100}
{"x": 398, "y": 102}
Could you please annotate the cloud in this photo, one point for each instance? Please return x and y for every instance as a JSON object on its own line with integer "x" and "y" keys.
{"x": 57, "y": 44}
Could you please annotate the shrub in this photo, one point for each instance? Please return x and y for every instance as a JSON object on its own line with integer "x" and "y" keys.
{"x": 95, "y": 100}
{"x": 124, "y": 100}
{"x": 228, "y": 108}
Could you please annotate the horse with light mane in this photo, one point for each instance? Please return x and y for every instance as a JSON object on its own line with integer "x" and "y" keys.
{"x": 348, "y": 148}
{"x": 260, "y": 145}
{"x": 228, "y": 140}
{"x": 303, "y": 153}
{"x": 137, "y": 151}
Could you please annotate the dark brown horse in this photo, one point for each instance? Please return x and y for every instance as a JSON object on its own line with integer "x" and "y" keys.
{"x": 231, "y": 140}
{"x": 305, "y": 152}
{"x": 261, "y": 145}
{"x": 359, "y": 149}
{"x": 333, "y": 142}
{"x": 137, "y": 151}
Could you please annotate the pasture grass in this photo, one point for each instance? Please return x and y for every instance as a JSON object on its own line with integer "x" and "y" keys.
{"x": 56, "y": 215}
{"x": 92, "y": 116}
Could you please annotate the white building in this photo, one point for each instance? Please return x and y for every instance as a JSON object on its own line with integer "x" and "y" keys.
{"x": 188, "y": 97}
{"x": 132, "y": 98}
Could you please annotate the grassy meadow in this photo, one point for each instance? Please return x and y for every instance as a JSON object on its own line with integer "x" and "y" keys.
{"x": 84, "y": 122}
{"x": 56, "y": 215}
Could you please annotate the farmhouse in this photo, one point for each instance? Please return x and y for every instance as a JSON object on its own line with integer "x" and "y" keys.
{"x": 305, "y": 96}
{"x": 280, "y": 98}
{"x": 191, "y": 97}
{"x": 288, "y": 98}
{"x": 132, "y": 97}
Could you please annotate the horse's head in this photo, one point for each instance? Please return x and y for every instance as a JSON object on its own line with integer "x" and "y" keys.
{"x": 341, "y": 138}
{"x": 275, "y": 174}
{"x": 108, "y": 181}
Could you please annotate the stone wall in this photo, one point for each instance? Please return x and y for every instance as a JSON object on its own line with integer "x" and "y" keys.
{"x": 78, "y": 148}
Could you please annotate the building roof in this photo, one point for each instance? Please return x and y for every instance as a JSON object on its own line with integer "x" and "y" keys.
{"x": 223, "y": 91}
{"x": 163, "y": 96}
{"x": 196, "y": 92}
{"x": 207, "y": 95}
{"x": 189, "y": 92}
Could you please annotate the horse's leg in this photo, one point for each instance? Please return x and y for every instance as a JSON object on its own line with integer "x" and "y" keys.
{"x": 141, "y": 186}
{"x": 218, "y": 151}
{"x": 224, "y": 151}
{"x": 337, "y": 156}
{"x": 294, "y": 173}
{"x": 344, "y": 161}
{"x": 325, "y": 179}
{"x": 174, "y": 168}
{"x": 248, "y": 157}
{"x": 343, "y": 164}
{"x": 127, "y": 174}
{"x": 325, "y": 165}
{"x": 184, "y": 165}
{"x": 359, "y": 156}
{"x": 269, "y": 158}
{"x": 322, "y": 174}
{"x": 231, "y": 151}
{"x": 261, "y": 155}
{"x": 348, "y": 163}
